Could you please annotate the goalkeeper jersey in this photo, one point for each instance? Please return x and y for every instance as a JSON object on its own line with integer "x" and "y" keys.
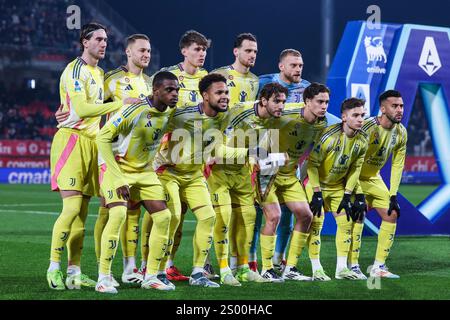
{"x": 336, "y": 159}
{"x": 139, "y": 129}
{"x": 81, "y": 93}
{"x": 243, "y": 87}
{"x": 296, "y": 135}
{"x": 382, "y": 143}
{"x": 189, "y": 93}
{"x": 295, "y": 94}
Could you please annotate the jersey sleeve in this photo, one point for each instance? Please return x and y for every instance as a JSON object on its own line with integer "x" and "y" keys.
{"x": 315, "y": 159}
{"x": 76, "y": 91}
{"x": 398, "y": 162}
{"x": 121, "y": 122}
{"x": 109, "y": 85}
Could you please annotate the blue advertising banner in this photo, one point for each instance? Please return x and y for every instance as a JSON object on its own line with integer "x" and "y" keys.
{"x": 24, "y": 176}
{"x": 411, "y": 59}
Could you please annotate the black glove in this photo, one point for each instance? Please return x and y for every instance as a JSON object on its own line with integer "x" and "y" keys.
{"x": 359, "y": 207}
{"x": 346, "y": 204}
{"x": 258, "y": 153}
{"x": 316, "y": 204}
{"x": 393, "y": 205}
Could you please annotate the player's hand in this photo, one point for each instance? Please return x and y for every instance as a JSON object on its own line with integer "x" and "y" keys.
{"x": 346, "y": 204}
{"x": 316, "y": 204}
{"x": 123, "y": 192}
{"x": 359, "y": 207}
{"x": 60, "y": 115}
{"x": 258, "y": 153}
{"x": 393, "y": 205}
{"x": 131, "y": 100}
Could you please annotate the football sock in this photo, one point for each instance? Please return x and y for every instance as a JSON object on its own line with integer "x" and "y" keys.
{"x": 355, "y": 246}
{"x": 147, "y": 224}
{"x": 203, "y": 235}
{"x": 314, "y": 240}
{"x": 61, "y": 229}
{"x": 100, "y": 223}
{"x": 267, "y": 249}
{"x": 298, "y": 242}
{"x": 129, "y": 235}
{"x": 223, "y": 216}
{"x": 245, "y": 218}
{"x": 174, "y": 221}
{"x": 177, "y": 237}
{"x": 343, "y": 240}
{"x": 76, "y": 237}
{"x": 158, "y": 240}
{"x": 385, "y": 241}
{"x": 110, "y": 237}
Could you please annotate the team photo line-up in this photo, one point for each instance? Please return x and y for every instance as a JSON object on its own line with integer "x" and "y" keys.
{"x": 229, "y": 146}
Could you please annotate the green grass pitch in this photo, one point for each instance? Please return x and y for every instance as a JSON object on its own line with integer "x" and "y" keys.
{"x": 27, "y": 214}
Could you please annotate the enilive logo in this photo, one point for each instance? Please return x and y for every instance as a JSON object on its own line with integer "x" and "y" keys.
{"x": 375, "y": 53}
{"x": 429, "y": 58}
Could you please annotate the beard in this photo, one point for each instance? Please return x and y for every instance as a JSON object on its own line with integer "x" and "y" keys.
{"x": 217, "y": 108}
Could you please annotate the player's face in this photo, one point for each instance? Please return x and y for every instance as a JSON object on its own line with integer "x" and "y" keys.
{"x": 140, "y": 53}
{"x": 217, "y": 96}
{"x": 291, "y": 67}
{"x": 275, "y": 105}
{"x": 195, "y": 54}
{"x": 246, "y": 54}
{"x": 392, "y": 107}
{"x": 354, "y": 118}
{"x": 168, "y": 92}
{"x": 96, "y": 45}
{"x": 319, "y": 104}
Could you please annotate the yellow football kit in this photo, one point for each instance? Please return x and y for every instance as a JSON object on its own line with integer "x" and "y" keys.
{"x": 139, "y": 129}
{"x": 243, "y": 87}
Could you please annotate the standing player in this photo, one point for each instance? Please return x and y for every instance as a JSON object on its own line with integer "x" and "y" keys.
{"x": 290, "y": 76}
{"x": 243, "y": 86}
{"x": 182, "y": 174}
{"x": 193, "y": 46}
{"x": 333, "y": 169}
{"x": 126, "y": 81}
{"x": 386, "y": 136}
{"x": 299, "y": 127}
{"x": 129, "y": 177}
{"x": 74, "y": 169}
{"x": 231, "y": 185}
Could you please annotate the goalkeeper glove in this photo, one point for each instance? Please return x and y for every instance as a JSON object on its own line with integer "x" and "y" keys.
{"x": 359, "y": 207}
{"x": 346, "y": 205}
{"x": 316, "y": 203}
{"x": 393, "y": 205}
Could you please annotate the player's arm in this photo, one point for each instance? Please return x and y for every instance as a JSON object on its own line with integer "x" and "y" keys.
{"x": 121, "y": 122}
{"x": 109, "y": 85}
{"x": 315, "y": 159}
{"x": 398, "y": 162}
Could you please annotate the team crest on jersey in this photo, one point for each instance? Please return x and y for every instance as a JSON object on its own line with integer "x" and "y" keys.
{"x": 77, "y": 86}
{"x": 242, "y": 96}
{"x": 300, "y": 145}
{"x": 193, "y": 96}
{"x": 343, "y": 159}
{"x": 381, "y": 151}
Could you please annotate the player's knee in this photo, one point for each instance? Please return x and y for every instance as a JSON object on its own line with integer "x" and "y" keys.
{"x": 273, "y": 219}
{"x": 205, "y": 213}
{"x": 162, "y": 219}
{"x": 72, "y": 206}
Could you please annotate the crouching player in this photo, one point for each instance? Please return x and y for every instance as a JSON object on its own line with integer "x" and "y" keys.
{"x": 333, "y": 169}
{"x": 129, "y": 176}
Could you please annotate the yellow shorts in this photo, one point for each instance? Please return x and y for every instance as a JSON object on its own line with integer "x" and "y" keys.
{"x": 190, "y": 188}
{"x": 377, "y": 194}
{"x": 229, "y": 187}
{"x": 143, "y": 186}
{"x": 73, "y": 160}
{"x": 286, "y": 188}
{"x": 332, "y": 197}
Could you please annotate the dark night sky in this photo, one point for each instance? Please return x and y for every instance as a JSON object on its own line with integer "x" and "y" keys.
{"x": 277, "y": 24}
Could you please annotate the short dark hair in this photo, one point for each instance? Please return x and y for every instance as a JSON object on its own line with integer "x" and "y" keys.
{"x": 192, "y": 36}
{"x": 87, "y": 30}
{"x": 352, "y": 103}
{"x": 289, "y": 52}
{"x": 159, "y": 78}
{"x": 208, "y": 80}
{"x": 137, "y": 36}
{"x": 271, "y": 89}
{"x": 388, "y": 94}
{"x": 241, "y": 37}
{"x": 314, "y": 89}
